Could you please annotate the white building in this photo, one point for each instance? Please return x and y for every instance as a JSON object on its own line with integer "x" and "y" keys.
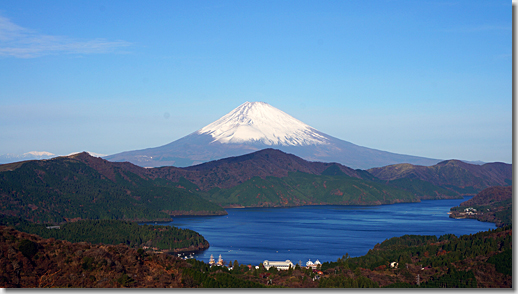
{"x": 280, "y": 265}
{"x": 312, "y": 265}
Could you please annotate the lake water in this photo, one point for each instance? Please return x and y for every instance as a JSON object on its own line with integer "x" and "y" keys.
{"x": 251, "y": 235}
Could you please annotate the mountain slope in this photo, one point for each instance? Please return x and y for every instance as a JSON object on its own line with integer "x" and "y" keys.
{"x": 458, "y": 175}
{"x": 493, "y": 204}
{"x": 260, "y": 122}
{"x": 228, "y": 172}
{"x": 81, "y": 186}
{"x": 490, "y": 196}
{"x": 51, "y": 263}
{"x": 273, "y": 178}
{"x": 254, "y": 126}
{"x": 84, "y": 187}
{"x": 306, "y": 189}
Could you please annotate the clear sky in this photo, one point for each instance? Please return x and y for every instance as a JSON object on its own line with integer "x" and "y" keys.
{"x": 426, "y": 78}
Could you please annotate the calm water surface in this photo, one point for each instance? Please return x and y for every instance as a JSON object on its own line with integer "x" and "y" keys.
{"x": 251, "y": 235}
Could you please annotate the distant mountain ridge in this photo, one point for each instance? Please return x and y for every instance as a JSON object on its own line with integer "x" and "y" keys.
{"x": 254, "y": 126}
{"x": 464, "y": 177}
{"x": 81, "y": 186}
{"x": 32, "y": 155}
{"x": 272, "y": 178}
{"x": 228, "y": 172}
{"x": 35, "y": 155}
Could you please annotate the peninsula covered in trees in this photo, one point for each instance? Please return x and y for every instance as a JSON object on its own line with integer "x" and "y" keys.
{"x": 163, "y": 238}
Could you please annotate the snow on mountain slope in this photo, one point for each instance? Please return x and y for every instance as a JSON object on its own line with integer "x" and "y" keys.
{"x": 253, "y": 126}
{"x": 260, "y": 122}
{"x": 38, "y": 153}
{"x": 31, "y": 155}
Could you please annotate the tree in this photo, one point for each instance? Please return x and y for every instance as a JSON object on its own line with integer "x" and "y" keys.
{"x": 28, "y": 248}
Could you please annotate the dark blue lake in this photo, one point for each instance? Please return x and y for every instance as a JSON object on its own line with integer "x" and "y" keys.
{"x": 251, "y": 235}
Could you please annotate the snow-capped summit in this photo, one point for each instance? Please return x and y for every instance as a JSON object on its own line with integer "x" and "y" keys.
{"x": 260, "y": 122}
{"x": 253, "y": 126}
{"x": 31, "y": 155}
{"x": 39, "y": 154}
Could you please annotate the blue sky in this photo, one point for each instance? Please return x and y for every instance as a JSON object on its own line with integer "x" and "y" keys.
{"x": 426, "y": 78}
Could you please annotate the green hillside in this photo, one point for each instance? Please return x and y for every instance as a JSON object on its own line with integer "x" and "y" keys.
{"x": 115, "y": 232}
{"x": 66, "y": 189}
{"x": 494, "y": 204}
{"x": 84, "y": 187}
{"x": 422, "y": 188}
{"x": 301, "y": 188}
{"x": 469, "y": 261}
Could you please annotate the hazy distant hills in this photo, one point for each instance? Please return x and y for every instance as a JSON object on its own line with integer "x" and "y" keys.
{"x": 85, "y": 187}
{"x": 33, "y": 155}
{"x": 254, "y": 126}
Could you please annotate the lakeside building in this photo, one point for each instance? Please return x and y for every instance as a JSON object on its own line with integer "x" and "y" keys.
{"x": 313, "y": 265}
{"x": 280, "y": 265}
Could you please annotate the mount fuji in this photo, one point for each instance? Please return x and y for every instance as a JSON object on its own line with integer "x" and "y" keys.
{"x": 257, "y": 125}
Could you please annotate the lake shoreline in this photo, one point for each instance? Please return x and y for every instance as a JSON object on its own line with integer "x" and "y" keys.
{"x": 324, "y": 232}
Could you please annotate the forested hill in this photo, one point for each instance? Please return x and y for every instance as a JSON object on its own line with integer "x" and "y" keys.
{"x": 490, "y": 196}
{"x": 482, "y": 260}
{"x": 456, "y": 176}
{"x": 166, "y": 238}
{"x": 452, "y": 174}
{"x": 230, "y": 172}
{"x": 83, "y": 187}
{"x": 494, "y": 204}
